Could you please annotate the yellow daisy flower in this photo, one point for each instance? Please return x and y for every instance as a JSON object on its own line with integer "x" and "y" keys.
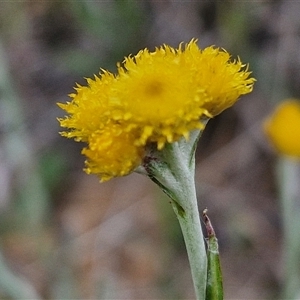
{"x": 160, "y": 96}
{"x": 156, "y": 97}
{"x": 283, "y": 128}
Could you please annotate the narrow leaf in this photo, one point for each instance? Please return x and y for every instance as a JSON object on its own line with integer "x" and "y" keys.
{"x": 214, "y": 286}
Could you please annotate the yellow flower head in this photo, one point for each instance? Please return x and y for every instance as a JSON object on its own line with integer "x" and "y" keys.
{"x": 283, "y": 128}
{"x": 222, "y": 80}
{"x": 90, "y": 109}
{"x": 156, "y": 97}
{"x": 112, "y": 153}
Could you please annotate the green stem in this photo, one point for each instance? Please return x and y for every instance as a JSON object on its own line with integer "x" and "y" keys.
{"x": 194, "y": 242}
{"x": 173, "y": 169}
{"x": 288, "y": 180}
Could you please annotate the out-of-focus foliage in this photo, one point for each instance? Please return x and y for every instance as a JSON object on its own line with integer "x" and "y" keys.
{"x": 63, "y": 235}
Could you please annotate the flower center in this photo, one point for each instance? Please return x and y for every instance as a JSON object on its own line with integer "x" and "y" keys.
{"x": 154, "y": 89}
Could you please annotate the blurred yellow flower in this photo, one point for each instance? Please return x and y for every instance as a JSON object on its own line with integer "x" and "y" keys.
{"x": 283, "y": 128}
{"x": 156, "y": 97}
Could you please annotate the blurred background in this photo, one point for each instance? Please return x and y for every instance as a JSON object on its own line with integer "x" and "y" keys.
{"x": 63, "y": 235}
